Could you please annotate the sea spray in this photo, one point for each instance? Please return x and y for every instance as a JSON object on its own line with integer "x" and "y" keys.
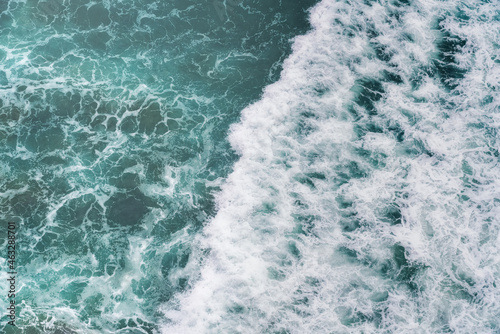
{"x": 365, "y": 198}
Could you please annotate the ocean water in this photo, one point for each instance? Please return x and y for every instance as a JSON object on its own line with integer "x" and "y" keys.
{"x": 181, "y": 167}
{"x": 113, "y": 142}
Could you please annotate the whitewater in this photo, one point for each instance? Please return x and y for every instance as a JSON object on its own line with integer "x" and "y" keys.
{"x": 366, "y": 195}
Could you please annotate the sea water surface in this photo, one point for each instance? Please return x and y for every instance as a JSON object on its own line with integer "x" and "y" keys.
{"x": 113, "y": 141}
{"x": 182, "y": 167}
{"x": 366, "y": 198}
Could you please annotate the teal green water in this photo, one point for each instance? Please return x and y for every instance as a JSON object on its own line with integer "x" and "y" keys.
{"x": 113, "y": 126}
{"x": 229, "y": 166}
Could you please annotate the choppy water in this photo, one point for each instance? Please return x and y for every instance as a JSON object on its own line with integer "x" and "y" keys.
{"x": 113, "y": 124}
{"x": 362, "y": 195}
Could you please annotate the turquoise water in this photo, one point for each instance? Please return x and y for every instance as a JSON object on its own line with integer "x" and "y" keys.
{"x": 181, "y": 167}
{"x": 113, "y": 126}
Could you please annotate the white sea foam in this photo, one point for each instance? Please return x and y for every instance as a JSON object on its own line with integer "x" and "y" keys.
{"x": 339, "y": 219}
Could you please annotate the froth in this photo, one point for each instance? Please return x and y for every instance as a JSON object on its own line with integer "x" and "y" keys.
{"x": 364, "y": 199}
